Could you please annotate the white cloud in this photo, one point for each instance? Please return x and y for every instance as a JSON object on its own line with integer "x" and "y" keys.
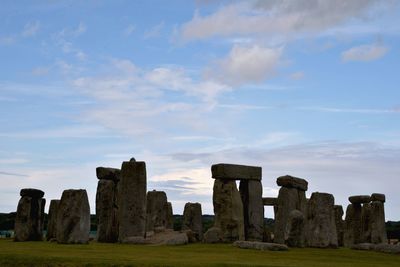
{"x": 129, "y": 30}
{"x": 31, "y": 28}
{"x": 297, "y": 75}
{"x": 154, "y": 31}
{"x": 246, "y": 64}
{"x": 365, "y": 53}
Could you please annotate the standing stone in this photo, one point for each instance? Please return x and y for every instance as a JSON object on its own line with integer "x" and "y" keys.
{"x": 192, "y": 219}
{"x": 253, "y": 209}
{"x": 321, "y": 221}
{"x": 132, "y": 200}
{"x": 366, "y": 223}
{"x": 378, "y": 229}
{"x": 228, "y": 210}
{"x": 52, "y": 219}
{"x": 170, "y": 216}
{"x": 30, "y": 215}
{"x": 339, "y": 224}
{"x": 106, "y": 211}
{"x": 73, "y": 217}
{"x": 156, "y": 210}
{"x": 296, "y": 229}
{"x": 352, "y": 232}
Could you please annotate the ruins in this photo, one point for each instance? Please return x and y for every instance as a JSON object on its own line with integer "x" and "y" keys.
{"x": 52, "y": 220}
{"x": 192, "y": 220}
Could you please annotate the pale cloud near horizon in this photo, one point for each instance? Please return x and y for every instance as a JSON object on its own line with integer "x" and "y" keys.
{"x": 364, "y": 53}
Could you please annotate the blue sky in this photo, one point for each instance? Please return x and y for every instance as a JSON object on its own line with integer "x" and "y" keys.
{"x": 308, "y": 88}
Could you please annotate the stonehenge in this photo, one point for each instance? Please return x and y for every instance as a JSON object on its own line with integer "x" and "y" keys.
{"x": 192, "y": 219}
{"x": 156, "y": 210}
{"x": 339, "y": 224}
{"x": 52, "y": 220}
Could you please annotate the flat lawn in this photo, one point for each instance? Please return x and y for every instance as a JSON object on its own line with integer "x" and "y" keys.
{"x": 97, "y": 254}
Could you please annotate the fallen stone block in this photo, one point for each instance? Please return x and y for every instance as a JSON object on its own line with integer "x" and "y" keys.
{"x": 260, "y": 245}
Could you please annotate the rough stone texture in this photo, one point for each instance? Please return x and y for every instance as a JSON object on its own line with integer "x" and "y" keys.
{"x": 108, "y": 173}
{"x": 378, "y": 197}
{"x": 270, "y": 201}
{"x": 132, "y": 200}
{"x": 292, "y": 182}
{"x": 378, "y": 229}
{"x": 213, "y": 235}
{"x": 321, "y": 230}
{"x": 386, "y": 248}
{"x": 339, "y": 224}
{"x": 106, "y": 211}
{"x": 52, "y": 220}
{"x": 289, "y": 199}
{"x": 192, "y": 219}
{"x": 30, "y": 216}
{"x": 260, "y": 245}
{"x": 363, "y": 246}
{"x": 366, "y": 223}
{"x": 156, "y": 210}
{"x": 360, "y": 199}
{"x": 170, "y": 216}
{"x": 253, "y": 209}
{"x": 228, "y": 210}
{"x": 352, "y": 231}
{"x": 73, "y": 217}
{"x": 296, "y": 229}
{"x": 236, "y": 172}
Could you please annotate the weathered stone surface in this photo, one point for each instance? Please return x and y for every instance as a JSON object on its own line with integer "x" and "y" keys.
{"x": 363, "y": 246}
{"x": 31, "y": 192}
{"x": 213, "y": 235}
{"x": 178, "y": 239}
{"x": 73, "y": 217}
{"x": 192, "y": 219}
{"x": 236, "y": 172}
{"x": 377, "y": 221}
{"x": 228, "y": 210}
{"x": 360, "y": 199}
{"x": 270, "y": 201}
{"x": 30, "y": 216}
{"x": 52, "y": 220}
{"x": 321, "y": 230}
{"x": 260, "y": 245}
{"x": 339, "y": 224}
{"x": 170, "y": 216}
{"x": 108, "y": 173}
{"x": 289, "y": 199}
{"x": 106, "y": 211}
{"x": 366, "y": 223}
{"x": 352, "y": 231}
{"x": 253, "y": 209}
{"x": 156, "y": 210}
{"x": 132, "y": 189}
{"x": 387, "y": 248}
{"x": 296, "y": 229}
{"x": 292, "y": 182}
{"x": 378, "y": 197}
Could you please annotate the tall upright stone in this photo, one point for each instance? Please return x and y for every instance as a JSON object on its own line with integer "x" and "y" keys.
{"x": 106, "y": 211}
{"x": 339, "y": 224}
{"x": 52, "y": 219}
{"x": 353, "y": 233}
{"x": 170, "y": 216}
{"x": 192, "y": 219}
{"x": 228, "y": 210}
{"x": 73, "y": 217}
{"x": 321, "y": 230}
{"x": 366, "y": 223}
{"x": 296, "y": 229}
{"x": 30, "y": 215}
{"x": 378, "y": 228}
{"x": 132, "y": 189}
{"x": 253, "y": 209}
{"x": 157, "y": 208}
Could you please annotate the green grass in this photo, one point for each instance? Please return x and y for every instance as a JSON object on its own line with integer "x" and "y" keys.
{"x": 97, "y": 254}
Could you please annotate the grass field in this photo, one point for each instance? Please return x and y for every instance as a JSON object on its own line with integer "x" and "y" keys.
{"x": 96, "y": 254}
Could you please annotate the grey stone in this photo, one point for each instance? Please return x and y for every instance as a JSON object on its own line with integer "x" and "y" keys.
{"x": 339, "y": 224}
{"x": 52, "y": 220}
{"x": 137, "y": 240}
{"x": 289, "y": 199}
{"x": 378, "y": 197}
{"x": 30, "y": 216}
{"x": 31, "y": 192}
{"x": 296, "y": 229}
{"x": 360, "y": 199}
{"x": 192, "y": 219}
{"x": 106, "y": 211}
{"x": 178, "y": 239}
{"x": 260, "y": 246}
{"x": 132, "y": 160}
{"x": 378, "y": 228}
{"x": 353, "y": 228}
{"x": 366, "y": 223}
{"x": 321, "y": 232}
{"x": 213, "y": 235}
{"x": 253, "y": 209}
{"x": 292, "y": 182}
{"x": 132, "y": 200}
{"x": 108, "y": 173}
{"x": 388, "y": 248}
{"x": 236, "y": 172}
{"x": 270, "y": 201}
{"x": 228, "y": 210}
{"x": 73, "y": 217}
{"x": 363, "y": 246}
{"x": 156, "y": 210}
{"x": 170, "y": 216}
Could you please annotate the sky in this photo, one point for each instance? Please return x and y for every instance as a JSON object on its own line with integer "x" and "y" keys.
{"x": 308, "y": 88}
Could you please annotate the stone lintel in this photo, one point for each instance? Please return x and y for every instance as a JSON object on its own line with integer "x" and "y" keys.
{"x": 292, "y": 182}
{"x": 236, "y": 172}
{"x": 270, "y": 201}
{"x": 31, "y": 192}
{"x": 108, "y": 173}
{"x": 361, "y": 199}
{"x": 378, "y": 197}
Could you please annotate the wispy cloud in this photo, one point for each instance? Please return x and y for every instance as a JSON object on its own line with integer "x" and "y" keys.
{"x": 154, "y": 31}
{"x": 365, "y": 53}
{"x": 13, "y": 174}
{"x": 7, "y": 40}
{"x": 129, "y": 30}
{"x": 351, "y": 110}
{"x": 31, "y": 28}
